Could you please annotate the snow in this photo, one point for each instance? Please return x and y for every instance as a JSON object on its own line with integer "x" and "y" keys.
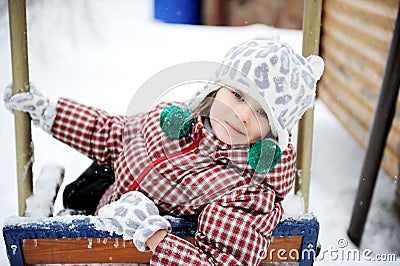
{"x": 40, "y": 203}
{"x": 100, "y": 52}
{"x": 25, "y": 222}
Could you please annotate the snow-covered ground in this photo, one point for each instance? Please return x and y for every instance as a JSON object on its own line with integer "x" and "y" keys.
{"x": 100, "y": 52}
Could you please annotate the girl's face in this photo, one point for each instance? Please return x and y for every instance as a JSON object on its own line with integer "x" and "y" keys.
{"x": 237, "y": 118}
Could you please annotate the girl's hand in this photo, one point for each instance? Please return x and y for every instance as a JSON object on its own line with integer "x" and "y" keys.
{"x": 135, "y": 217}
{"x": 41, "y": 111}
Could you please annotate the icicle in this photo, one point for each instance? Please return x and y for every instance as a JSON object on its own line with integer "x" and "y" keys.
{"x": 123, "y": 244}
{"x": 90, "y": 243}
{"x": 105, "y": 241}
{"x": 23, "y": 243}
{"x": 116, "y": 244}
{"x": 98, "y": 240}
{"x": 35, "y": 243}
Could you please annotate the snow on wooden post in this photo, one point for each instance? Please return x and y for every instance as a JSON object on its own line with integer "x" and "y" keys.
{"x": 311, "y": 36}
{"x": 20, "y": 77}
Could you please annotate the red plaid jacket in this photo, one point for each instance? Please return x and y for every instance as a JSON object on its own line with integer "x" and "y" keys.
{"x": 197, "y": 175}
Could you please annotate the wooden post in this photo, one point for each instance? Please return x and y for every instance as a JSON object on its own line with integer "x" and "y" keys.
{"x": 396, "y": 202}
{"x": 20, "y": 77}
{"x": 311, "y": 37}
{"x": 213, "y": 12}
{"x": 383, "y": 118}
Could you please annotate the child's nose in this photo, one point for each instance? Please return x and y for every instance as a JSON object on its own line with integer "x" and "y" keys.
{"x": 244, "y": 114}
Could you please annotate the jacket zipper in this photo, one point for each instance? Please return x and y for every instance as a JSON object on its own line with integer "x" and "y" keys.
{"x": 159, "y": 160}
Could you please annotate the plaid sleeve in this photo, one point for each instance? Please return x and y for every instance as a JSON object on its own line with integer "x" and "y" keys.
{"x": 229, "y": 233}
{"x": 282, "y": 176}
{"x": 90, "y": 131}
{"x": 173, "y": 250}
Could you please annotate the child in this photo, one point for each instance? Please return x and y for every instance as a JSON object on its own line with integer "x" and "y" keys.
{"x": 225, "y": 156}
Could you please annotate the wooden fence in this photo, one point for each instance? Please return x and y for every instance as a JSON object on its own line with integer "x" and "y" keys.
{"x": 355, "y": 41}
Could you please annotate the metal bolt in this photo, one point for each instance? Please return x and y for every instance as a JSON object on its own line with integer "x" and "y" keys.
{"x": 14, "y": 248}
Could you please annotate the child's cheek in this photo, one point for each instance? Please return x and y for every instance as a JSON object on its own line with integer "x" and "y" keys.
{"x": 220, "y": 110}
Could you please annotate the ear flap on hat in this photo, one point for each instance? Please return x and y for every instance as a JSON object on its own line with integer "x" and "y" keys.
{"x": 316, "y": 64}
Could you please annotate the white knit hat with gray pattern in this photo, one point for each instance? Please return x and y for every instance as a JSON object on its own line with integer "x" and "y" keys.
{"x": 269, "y": 71}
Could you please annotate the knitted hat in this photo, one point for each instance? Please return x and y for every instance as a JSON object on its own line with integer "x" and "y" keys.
{"x": 270, "y": 72}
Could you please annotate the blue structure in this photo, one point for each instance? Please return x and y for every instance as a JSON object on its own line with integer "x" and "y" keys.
{"x": 18, "y": 228}
{"x": 177, "y": 11}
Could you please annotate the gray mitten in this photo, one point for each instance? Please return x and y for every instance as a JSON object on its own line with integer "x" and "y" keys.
{"x": 134, "y": 216}
{"x": 40, "y": 109}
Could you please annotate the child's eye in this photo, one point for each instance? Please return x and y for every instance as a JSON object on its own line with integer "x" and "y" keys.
{"x": 263, "y": 113}
{"x": 237, "y": 95}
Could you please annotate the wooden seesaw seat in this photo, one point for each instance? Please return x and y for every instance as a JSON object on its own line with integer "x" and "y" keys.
{"x": 78, "y": 239}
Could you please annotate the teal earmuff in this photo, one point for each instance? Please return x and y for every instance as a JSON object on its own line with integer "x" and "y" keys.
{"x": 176, "y": 122}
{"x": 264, "y": 155}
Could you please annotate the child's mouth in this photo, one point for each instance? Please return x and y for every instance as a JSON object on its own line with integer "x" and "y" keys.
{"x": 235, "y": 129}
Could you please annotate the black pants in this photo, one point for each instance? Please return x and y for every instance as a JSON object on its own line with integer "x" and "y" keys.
{"x": 86, "y": 191}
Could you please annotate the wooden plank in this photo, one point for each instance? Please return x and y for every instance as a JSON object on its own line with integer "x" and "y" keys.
{"x": 342, "y": 38}
{"x": 360, "y": 104}
{"x": 381, "y": 11}
{"x": 390, "y": 160}
{"x": 351, "y": 63}
{"x": 357, "y": 101}
{"x": 373, "y": 18}
{"x": 74, "y": 251}
{"x": 355, "y": 41}
{"x": 290, "y": 244}
{"x": 83, "y": 239}
{"x": 343, "y": 41}
{"x": 356, "y": 129}
{"x": 115, "y": 250}
{"x": 362, "y": 112}
{"x": 338, "y": 80}
{"x": 345, "y": 88}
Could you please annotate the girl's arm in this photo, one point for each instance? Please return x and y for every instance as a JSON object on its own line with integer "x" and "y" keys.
{"x": 90, "y": 131}
{"x": 226, "y": 235}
